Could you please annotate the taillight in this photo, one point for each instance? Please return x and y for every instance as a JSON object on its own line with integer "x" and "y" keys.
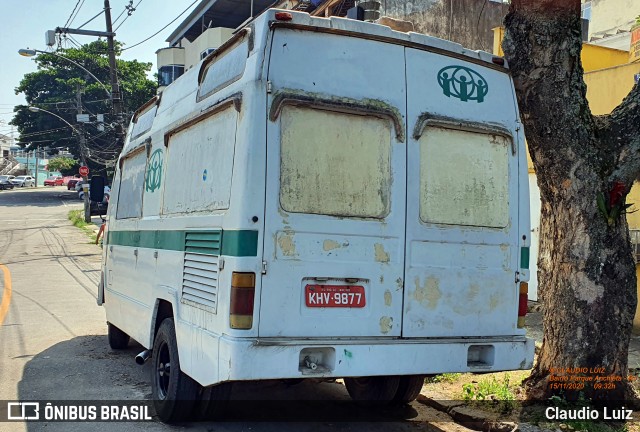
{"x": 243, "y": 289}
{"x": 284, "y": 16}
{"x": 522, "y": 303}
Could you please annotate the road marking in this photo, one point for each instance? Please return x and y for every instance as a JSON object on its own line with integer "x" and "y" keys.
{"x": 6, "y": 295}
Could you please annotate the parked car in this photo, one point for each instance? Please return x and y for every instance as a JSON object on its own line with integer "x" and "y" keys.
{"x": 24, "y": 181}
{"x": 5, "y": 182}
{"x": 107, "y": 192}
{"x": 71, "y": 184}
{"x": 53, "y": 181}
{"x": 66, "y": 179}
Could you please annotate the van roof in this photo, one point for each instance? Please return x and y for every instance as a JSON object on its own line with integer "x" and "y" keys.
{"x": 338, "y": 25}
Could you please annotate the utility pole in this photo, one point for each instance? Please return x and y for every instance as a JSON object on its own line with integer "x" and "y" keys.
{"x": 117, "y": 104}
{"x": 85, "y": 179}
{"x": 36, "y": 182}
{"x": 116, "y": 97}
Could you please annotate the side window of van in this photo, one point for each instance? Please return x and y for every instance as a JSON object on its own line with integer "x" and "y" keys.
{"x": 333, "y": 163}
{"x": 224, "y": 69}
{"x": 464, "y": 178}
{"x": 131, "y": 186}
{"x": 200, "y": 165}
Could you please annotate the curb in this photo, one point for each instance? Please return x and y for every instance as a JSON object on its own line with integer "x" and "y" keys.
{"x": 465, "y": 416}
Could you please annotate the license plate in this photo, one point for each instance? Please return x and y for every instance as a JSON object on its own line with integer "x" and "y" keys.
{"x": 335, "y": 296}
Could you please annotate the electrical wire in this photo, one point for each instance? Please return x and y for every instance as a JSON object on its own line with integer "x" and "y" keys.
{"x": 97, "y": 15}
{"x": 118, "y": 17}
{"x": 76, "y": 15}
{"x": 131, "y": 10}
{"x": 44, "y": 132}
{"x": 66, "y": 24}
{"x": 156, "y": 33}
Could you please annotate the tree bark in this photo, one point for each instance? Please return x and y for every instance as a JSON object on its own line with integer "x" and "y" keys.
{"x": 586, "y": 271}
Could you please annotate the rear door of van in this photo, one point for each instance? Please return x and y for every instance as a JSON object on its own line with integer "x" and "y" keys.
{"x": 335, "y": 196}
{"x": 462, "y": 199}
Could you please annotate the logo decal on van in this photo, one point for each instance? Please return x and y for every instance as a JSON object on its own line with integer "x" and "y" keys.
{"x": 154, "y": 171}
{"x": 462, "y": 83}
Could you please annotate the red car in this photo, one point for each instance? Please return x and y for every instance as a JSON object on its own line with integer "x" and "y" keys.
{"x": 53, "y": 181}
{"x": 71, "y": 184}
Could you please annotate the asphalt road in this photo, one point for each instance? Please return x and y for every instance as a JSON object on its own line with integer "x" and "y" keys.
{"x": 53, "y": 342}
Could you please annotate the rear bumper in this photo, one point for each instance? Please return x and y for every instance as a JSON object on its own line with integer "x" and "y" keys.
{"x": 243, "y": 359}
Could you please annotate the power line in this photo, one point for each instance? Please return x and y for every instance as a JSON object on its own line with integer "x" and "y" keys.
{"x": 121, "y": 13}
{"x": 130, "y": 8}
{"x": 72, "y": 12}
{"x": 156, "y": 33}
{"x": 96, "y": 16}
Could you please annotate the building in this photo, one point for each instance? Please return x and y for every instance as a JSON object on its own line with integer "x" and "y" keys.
{"x": 208, "y": 26}
{"x": 212, "y": 22}
{"x": 7, "y": 162}
{"x": 5, "y": 146}
{"x": 611, "y": 21}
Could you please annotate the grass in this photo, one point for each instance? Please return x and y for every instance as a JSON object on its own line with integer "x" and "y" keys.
{"x": 444, "y": 378}
{"x": 491, "y": 388}
{"x": 77, "y": 220}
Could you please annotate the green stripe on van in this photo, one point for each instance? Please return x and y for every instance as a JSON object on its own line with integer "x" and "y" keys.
{"x": 209, "y": 242}
{"x": 524, "y": 257}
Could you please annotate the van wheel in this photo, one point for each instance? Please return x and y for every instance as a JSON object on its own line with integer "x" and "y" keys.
{"x": 212, "y": 401}
{"x": 373, "y": 389}
{"x": 117, "y": 338}
{"x": 408, "y": 389}
{"x": 174, "y": 393}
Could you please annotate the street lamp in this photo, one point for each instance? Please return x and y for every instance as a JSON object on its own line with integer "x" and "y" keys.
{"x": 37, "y": 109}
{"x": 85, "y": 185}
{"x": 32, "y": 52}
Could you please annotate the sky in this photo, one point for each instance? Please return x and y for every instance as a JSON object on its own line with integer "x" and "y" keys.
{"x": 26, "y": 21}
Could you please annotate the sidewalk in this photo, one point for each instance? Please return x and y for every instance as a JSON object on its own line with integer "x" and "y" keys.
{"x": 534, "y": 330}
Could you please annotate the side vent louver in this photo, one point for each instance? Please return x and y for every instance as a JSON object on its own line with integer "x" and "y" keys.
{"x": 200, "y": 274}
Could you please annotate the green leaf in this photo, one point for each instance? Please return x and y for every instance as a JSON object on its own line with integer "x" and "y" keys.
{"x": 602, "y": 206}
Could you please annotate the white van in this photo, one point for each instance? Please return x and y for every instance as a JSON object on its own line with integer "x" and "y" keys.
{"x": 322, "y": 198}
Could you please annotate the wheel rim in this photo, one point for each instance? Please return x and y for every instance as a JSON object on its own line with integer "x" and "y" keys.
{"x": 163, "y": 370}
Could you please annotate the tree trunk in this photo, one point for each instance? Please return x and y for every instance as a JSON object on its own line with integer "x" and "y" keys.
{"x": 586, "y": 270}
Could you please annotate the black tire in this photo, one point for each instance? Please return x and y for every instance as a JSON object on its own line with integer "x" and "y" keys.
{"x": 174, "y": 393}
{"x": 212, "y": 401}
{"x": 373, "y": 390}
{"x": 117, "y": 338}
{"x": 408, "y": 389}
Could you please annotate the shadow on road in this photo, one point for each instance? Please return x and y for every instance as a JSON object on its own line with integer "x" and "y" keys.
{"x": 86, "y": 369}
{"x": 38, "y": 197}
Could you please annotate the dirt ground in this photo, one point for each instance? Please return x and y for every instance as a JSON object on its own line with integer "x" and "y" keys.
{"x": 500, "y": 396}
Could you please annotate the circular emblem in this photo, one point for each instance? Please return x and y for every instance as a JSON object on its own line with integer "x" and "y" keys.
{"x": 154, "y": 171}
{"x": 204, "y": 175}
{"x": 462, "y": 83}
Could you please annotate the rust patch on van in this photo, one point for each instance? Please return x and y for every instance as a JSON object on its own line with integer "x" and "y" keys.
{"x": 287, "y": 245}
{"x": 330, "y": 245}
{"x": 381, "y": 255}
{"x": 429, "y": 294}
{"x": 474, "y": 290}
{"x": 494, "y": 301}
{"x": 387, "y": 298}
{"x": 468, "y": 306}
{"x": 386, "y": 323}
